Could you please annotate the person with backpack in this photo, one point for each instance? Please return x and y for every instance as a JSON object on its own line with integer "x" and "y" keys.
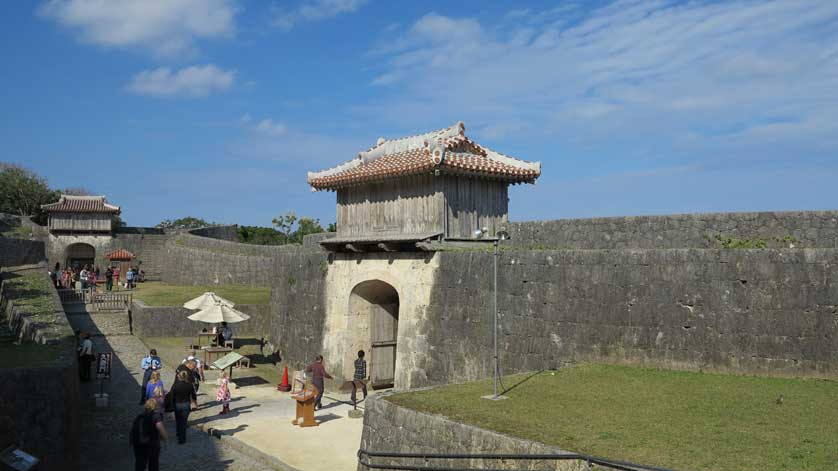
{"x": 146, "y": 437}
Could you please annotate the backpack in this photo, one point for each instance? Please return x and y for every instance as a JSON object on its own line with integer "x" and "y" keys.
{"x": 142, "y": 430}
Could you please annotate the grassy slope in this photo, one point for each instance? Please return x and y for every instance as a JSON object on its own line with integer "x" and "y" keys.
{"x": 32, "y": 290}
{"x": 160, "y": 294}
{"x": 683, "y": 420}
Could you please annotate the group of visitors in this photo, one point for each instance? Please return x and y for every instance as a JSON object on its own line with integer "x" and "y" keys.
{"x": 83, "y": 276}
{"x": 319, "y": 375}
{"x": 87, "y": 276}
{"x": 147, "y": 432}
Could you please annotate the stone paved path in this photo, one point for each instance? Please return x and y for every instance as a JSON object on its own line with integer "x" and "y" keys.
{"x": 104, "y": 432}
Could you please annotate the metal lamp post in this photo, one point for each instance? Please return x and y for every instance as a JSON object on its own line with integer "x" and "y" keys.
{"x": 501, "y": 235}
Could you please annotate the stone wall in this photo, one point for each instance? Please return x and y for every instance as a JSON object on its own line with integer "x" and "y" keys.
{"x": 15, "y": 252}
{"x": 40, "y": 390}
{"x": 148, "y": 248}
{"x": 810, "y": 229}
{"x": 228, "y": 233}
{"x": 194, "y": 260}
{"x": 391, "y": 428}
{"x": 171, "y": 321}
{"x": 298, "y": 310}
{"x": 755, "y": 311}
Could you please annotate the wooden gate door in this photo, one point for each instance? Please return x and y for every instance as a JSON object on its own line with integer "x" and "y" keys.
{"x": 385, "y": 326}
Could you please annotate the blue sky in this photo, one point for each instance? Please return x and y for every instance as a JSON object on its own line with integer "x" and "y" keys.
{"x": 217, "y": 108}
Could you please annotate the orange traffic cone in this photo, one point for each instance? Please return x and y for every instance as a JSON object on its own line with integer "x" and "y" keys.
{"x": 285, "y": 386}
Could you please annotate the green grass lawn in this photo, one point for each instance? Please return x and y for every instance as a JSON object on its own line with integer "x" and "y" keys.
{"x": 682, "y": 420}
{"x": 155, "y": 293}
{"x": 172, "y": 351}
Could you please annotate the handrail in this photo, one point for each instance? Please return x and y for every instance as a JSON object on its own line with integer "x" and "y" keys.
{"x": 613, "y": 464}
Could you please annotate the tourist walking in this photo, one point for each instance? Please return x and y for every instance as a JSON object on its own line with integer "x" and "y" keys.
{"x": 223, "y": 394}
{"x": 149, "y": 365}
{"x": 154, "y": 382}
{"x": 116, "y": 276}
{"x": 147, "y": 435}
{"x": 109, "y": 279}
{"x": 318, "y": 376}
{"x": 83, "y": 278}
{"x": 197, "y": 370}
{"x": 129, "y": 278}
{"x": 360, "y": 376}
{"x": 184, "y": 399}
{"x": 85, "y": 356}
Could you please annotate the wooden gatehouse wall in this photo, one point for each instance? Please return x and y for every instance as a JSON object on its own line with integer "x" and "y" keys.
{"x": 450, "y": 205}
{"x": 80, "y": 222}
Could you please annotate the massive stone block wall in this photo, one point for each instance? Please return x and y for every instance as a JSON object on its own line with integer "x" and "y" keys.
{"x": 15, "y": 252}
{"x": 298, "y": 305}
{"x": 195, "y": 260}
{"x": 811, "y": 229}
{"x": 760, "y": 311}
{"x": 228, "y": 233}
{"x": 41, "y": 397}
{"x": 390, "y": 428}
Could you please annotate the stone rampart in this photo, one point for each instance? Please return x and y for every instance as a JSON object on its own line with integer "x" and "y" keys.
{"x": 40, "y": 391}
{"x": 298, "y": 305}
{"x": 391, "y": 428}
{"x": 15, "y": 252}
{"x": 755, "y": 311}
{"x": 810, "y": 229}
{"x": 228, "y": 233}
{"x": 171, "y": 321}
{"x": 194, "y": 260}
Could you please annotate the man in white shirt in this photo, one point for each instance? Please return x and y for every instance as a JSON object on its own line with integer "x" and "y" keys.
{"x": 85, "y": 357}
{"x": 83, "y": 278}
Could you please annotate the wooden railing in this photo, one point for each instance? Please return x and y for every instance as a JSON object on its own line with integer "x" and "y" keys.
{"x": 96, "y": 301}
{"x": 110, "y": 301}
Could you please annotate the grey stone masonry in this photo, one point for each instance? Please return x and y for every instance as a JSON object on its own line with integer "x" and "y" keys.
{"x": 391, "y": 428}
{"x": 810, "y": 229}
{"x": 755, "y": 311}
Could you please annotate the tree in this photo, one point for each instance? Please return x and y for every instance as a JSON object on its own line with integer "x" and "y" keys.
{"x": 285, "y": 224}
{"x": 188, "y": 222}
{"x": 261, "y": 236}
{"x": 22, "y": 192}
{"x": 305, "y": 226}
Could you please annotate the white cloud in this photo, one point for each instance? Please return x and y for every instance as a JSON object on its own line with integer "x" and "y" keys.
{"x": 268, "y": 126}
{"x": 314, "y": 10}
{"x": 164, "y": 27}
{"x": 193, "y": 81}
{"x": 630, "y": 72}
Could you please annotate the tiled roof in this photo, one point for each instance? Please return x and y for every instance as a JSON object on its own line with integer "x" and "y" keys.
{"x": 119, "y": 254}
{"x": 81, "y": 204}
{"x": 447, "y": 150}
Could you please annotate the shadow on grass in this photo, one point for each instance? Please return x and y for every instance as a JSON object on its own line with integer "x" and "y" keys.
{"x": 506, "y": 390}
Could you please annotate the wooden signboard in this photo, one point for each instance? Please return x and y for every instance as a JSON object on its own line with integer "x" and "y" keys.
{"x": 305, "y": 406}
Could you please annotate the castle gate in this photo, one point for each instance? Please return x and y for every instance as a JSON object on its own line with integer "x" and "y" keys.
{"x": 377, "y": 303}
{"x": 79, "y": 254}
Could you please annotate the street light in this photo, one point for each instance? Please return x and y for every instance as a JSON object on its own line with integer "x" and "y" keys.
{"x": 499, "y": 236}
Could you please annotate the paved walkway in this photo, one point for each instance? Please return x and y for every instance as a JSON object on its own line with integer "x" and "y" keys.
{"x": 104, "y": 432}
{"x": 256, "y": 435}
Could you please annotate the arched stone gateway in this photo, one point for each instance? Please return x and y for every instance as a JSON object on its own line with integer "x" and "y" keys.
{"x": 79, "y": 254}
{"x": 374, "y": 315}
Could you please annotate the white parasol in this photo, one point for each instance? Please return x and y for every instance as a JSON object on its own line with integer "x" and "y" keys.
{"x": 208, "y": 299}
{"x": 219, "y": 313}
